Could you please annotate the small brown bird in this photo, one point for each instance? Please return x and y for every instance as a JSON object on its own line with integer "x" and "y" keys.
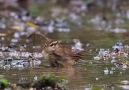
{"x": 58, "y": 54}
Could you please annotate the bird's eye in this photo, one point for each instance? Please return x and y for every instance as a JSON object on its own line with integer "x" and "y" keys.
{"x": 51, "y": 45}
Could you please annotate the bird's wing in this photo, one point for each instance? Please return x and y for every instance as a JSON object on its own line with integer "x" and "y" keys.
{"x": 68, "y": 52}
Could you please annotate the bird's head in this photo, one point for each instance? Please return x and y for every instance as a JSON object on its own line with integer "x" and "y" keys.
{"x": 51, "y": 45}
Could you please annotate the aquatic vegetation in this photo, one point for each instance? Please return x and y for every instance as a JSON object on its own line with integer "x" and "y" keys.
{"x": 97, "y": 88}
{"x": 50, "y": 80}
{"x": 3, "y": 83}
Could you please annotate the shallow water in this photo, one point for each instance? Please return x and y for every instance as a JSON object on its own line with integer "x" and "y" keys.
{"x": 84, "y": 75}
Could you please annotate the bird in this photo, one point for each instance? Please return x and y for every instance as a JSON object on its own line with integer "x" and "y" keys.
{"x": 57, "y": 54}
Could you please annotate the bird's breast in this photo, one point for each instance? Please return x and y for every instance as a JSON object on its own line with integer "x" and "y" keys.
{"x": 45, "y": 55}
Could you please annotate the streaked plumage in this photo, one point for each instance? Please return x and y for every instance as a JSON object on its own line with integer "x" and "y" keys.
{"x": 58, "y": 54}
